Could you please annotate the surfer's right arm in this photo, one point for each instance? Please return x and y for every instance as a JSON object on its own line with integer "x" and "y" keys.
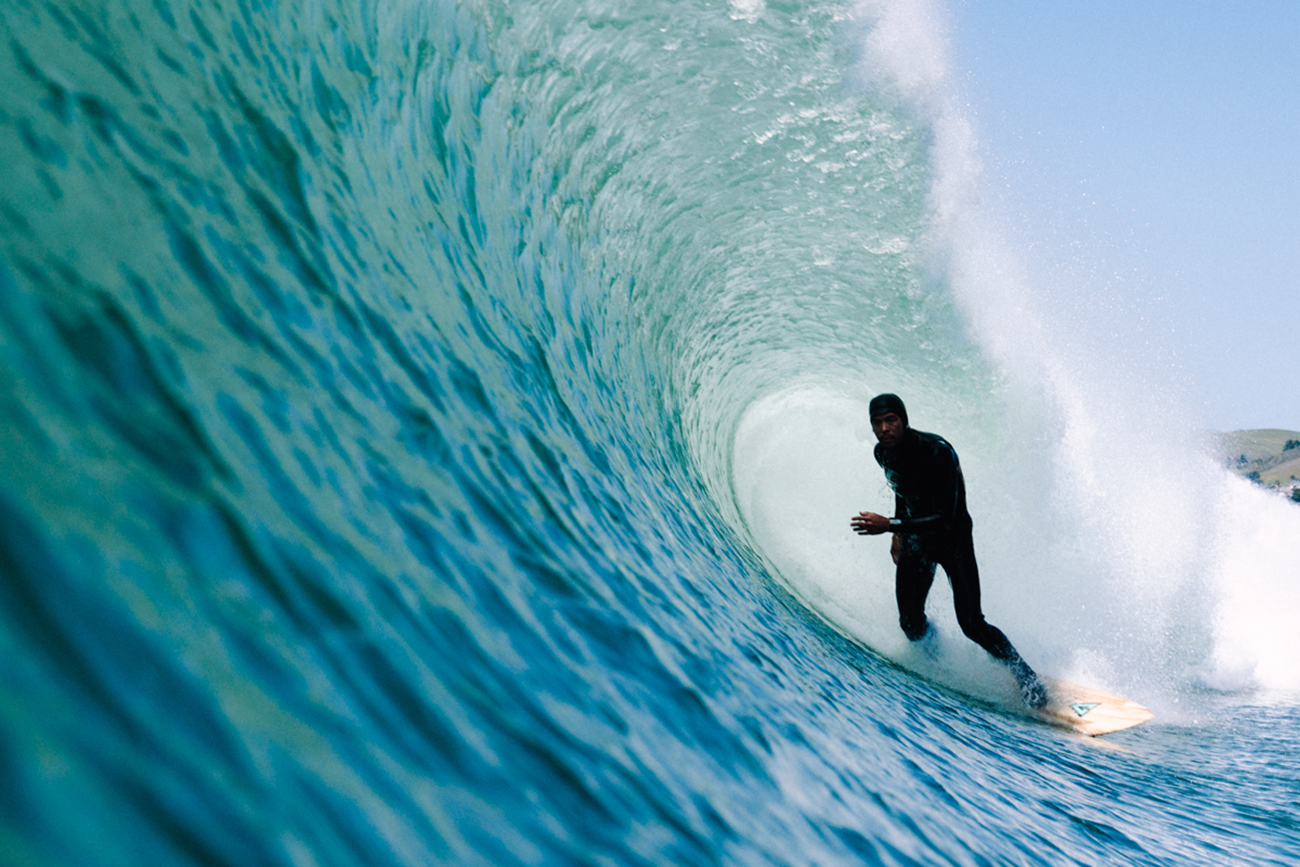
{"x": 927, "y": 524}
{"x": 924, "y": 524}
{"x": 870, "y": 524}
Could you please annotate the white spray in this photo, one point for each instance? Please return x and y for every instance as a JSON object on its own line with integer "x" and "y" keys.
{"x": 1112, "y": 547}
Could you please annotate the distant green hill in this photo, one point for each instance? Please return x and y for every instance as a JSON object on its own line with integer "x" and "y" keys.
{"x": 1263, "y": 456}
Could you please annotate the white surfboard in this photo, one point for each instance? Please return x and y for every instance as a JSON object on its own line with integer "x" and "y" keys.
{"x": 1088, "y": 711}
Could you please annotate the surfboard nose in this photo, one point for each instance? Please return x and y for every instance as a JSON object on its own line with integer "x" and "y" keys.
{"x": 1090, "y": 711}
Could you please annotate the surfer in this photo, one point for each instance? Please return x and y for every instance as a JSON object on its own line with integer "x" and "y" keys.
{"x": 932, "y": 527}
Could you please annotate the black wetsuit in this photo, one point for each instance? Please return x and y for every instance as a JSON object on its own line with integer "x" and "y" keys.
{"x": 930, "y": 508}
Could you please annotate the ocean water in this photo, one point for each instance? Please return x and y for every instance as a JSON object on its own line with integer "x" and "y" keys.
{"x": 430, "y": 431}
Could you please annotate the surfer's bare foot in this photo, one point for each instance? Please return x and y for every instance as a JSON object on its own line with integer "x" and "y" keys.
{"x": 928, "y": 643}
{"x": 1034, "y": 695}
{"x": 1031, "y": 688}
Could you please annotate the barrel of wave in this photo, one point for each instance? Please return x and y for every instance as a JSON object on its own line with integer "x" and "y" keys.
{"x": 802, "y": 467}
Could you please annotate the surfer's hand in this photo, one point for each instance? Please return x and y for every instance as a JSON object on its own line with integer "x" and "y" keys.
{"x": 895, "y": 547}
{"x": 869, "y": 524}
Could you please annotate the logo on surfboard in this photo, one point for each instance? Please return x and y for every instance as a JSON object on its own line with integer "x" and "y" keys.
{"x": 1082, "y": 708}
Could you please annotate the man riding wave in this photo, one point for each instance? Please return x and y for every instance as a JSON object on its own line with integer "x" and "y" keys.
{"x": 932, "y": 528}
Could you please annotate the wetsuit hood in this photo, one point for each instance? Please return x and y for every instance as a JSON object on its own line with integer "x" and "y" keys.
{"x": 883, "y": 404}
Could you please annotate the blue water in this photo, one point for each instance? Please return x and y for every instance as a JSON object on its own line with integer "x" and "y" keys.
{"x": 430, "y": 432}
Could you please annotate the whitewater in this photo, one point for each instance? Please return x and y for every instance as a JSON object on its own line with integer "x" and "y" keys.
{"x": 430, "y": 432}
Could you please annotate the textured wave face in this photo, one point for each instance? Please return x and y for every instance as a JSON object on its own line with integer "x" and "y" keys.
{"x": 431, "y": 432}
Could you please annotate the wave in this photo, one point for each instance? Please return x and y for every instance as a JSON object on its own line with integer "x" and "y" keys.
{"x": 434, "y": 427}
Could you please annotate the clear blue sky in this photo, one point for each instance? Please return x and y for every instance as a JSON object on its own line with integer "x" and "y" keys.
{"x": 1157, "y": 144}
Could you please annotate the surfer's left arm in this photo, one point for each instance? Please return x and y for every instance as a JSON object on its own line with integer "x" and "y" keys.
{"x": 940, "y": 500}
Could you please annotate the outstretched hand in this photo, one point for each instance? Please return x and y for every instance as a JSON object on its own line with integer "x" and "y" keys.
{"x": 869, "y": 524}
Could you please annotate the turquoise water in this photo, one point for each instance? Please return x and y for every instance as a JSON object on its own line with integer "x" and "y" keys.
{"x": 431, "y": 431}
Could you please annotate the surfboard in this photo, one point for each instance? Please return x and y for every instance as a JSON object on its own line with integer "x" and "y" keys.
{"x": 1088, "y": 711}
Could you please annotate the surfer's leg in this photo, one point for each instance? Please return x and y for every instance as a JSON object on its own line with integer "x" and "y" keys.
{"x": 963, "y": 574}
{"x": 958, "y": 561}
{"x": 912, "y": 580}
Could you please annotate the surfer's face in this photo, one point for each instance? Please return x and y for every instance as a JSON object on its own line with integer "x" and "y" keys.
{"x": 888, "y": 429}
